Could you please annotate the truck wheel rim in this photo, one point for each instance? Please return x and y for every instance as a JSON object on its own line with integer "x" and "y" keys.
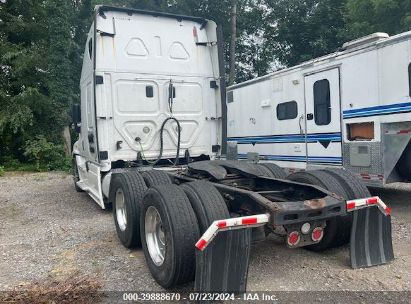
{"x": 155, "y": 236}
{"x": 121, "y": 212}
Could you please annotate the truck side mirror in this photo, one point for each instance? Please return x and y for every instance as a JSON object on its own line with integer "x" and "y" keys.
{"x": 76, "y": 118}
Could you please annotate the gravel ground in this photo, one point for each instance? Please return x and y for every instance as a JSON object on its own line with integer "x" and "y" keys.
{"x": 48, "y": 231}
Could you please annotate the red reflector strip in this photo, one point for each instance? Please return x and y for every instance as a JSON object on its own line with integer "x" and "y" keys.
{"x": 201, "y": 244}
{"x": 364, "y": 202}
{"x": 350, "y": 205}
{"x": 222, "y": 224}
{"x": 226, "y": 224}
{"x": 404, "y": 132}
{"x": 372, "y": 201}
{"x": 249, "y": 221}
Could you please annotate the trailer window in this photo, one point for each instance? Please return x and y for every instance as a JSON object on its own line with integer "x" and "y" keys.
{"x": 287, "y": 110}
{"x": 360, "y": 131}
{"x": 409, "y": 79}
{"x": 149, "y": 92}
{"x": 322, "y": 102}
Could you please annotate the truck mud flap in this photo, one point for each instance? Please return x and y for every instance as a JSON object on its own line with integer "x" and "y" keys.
{"x": 371, "y": 240}
{"x": 223, "y": 254}
{"x": 223, "y": 266}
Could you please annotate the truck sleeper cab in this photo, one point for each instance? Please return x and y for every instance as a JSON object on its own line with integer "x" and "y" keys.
{"x": 151, "y": 133}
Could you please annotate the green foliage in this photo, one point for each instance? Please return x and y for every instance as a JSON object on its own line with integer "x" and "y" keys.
{"x": 1, "y": 171}
{"x": 15, "y": 165}
{"x": 46, "y": 155}
{"x": 368, "y": 16}
{"x": 297, "y": 30}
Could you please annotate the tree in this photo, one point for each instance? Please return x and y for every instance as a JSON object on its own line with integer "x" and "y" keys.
{"x": 24, "y": 102}
{"x": 233, "y": 39}
{"x": 364, "y": 17}
{"x": 301, "y": 30}
{"x": 62, "y": 89}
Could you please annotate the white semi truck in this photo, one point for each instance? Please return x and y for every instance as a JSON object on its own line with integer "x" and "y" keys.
{"x": 152, "y": 131}
{"x": 348, "y": 109}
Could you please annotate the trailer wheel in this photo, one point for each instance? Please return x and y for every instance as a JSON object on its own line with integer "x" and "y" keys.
{"x": 276, "y": 171}
{"x": 126, "y": 194}
{"x": 207, "y": 202}
{"x": 404, "y": 164}
{"x": 155, "y": 178}
{"x": 169, "y": 231}
{"x": 337, "y": 230}
{"x": 75, "y": 173}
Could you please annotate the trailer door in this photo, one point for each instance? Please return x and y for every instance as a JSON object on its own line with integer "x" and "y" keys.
{"x": 323, "y": 118}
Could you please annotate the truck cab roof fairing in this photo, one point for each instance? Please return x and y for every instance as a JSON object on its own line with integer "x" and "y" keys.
{"x": 101, "y": 9}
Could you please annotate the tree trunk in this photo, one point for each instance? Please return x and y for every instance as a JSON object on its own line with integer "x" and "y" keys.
{"x": 67, "y": 141}
{"x": 231, "y": 76}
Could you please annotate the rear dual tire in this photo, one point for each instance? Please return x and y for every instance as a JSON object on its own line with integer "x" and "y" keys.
{"x": 127, "y": 190}
{"x": 207, "y": 203}
{"x": 168, "y": 244}
{"x": 343, "y": 183}
{"x": 151, "y": 212}
{"x": 126, "y": 194}
{"x": 272, "y": 170}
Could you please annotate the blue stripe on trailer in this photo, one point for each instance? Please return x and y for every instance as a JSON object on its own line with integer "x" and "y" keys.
{"x": 334, "y": 137}
{"x": 378, "y": 110}
{"x": 311, "y": 159}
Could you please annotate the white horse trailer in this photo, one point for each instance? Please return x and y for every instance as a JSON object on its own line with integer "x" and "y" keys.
{"x": 351, "y": 108}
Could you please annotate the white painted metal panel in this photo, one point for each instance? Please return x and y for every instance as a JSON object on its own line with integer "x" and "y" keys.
{"x": 148, "y": 51}
{"x": 323, "y": 140}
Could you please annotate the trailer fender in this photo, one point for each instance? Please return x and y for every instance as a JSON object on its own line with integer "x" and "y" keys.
{"x": 371, "y": 240}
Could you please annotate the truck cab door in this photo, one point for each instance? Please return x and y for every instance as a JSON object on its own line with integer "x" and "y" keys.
{"x": 323, "y": 118}
{"x": 88, "y": 127}
{"x": 87, "y": 160}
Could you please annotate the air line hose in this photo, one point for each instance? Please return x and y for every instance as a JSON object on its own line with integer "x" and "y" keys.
{"x": 162, "y": 140}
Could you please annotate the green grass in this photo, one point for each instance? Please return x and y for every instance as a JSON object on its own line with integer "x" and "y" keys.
{"x": 14, "y": 165}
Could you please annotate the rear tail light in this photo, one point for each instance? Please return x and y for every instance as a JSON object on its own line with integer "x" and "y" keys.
{"x": 293, "y": 238}
{"x": 317, "y": 234}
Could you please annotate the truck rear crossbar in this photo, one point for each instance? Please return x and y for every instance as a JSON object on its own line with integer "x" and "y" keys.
{"x": 229, "y": 224}
{"x": 370, "y": 243}
{"x": 361, "y": 203}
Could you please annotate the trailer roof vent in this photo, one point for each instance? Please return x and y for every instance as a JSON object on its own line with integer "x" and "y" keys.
{"x": 365, "y": 40}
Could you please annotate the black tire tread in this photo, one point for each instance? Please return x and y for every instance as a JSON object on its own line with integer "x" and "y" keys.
{"x": 277, "y": 171}
{"x": 207, "y": 203}
{"x": 184, "y": 228}
{"x": 155, "y": 178}
{"x": 339, "y": 227}
{"x": 134, "y": 183}
{"x": 352, "y": 183}
{"x": 264, "y": 171}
